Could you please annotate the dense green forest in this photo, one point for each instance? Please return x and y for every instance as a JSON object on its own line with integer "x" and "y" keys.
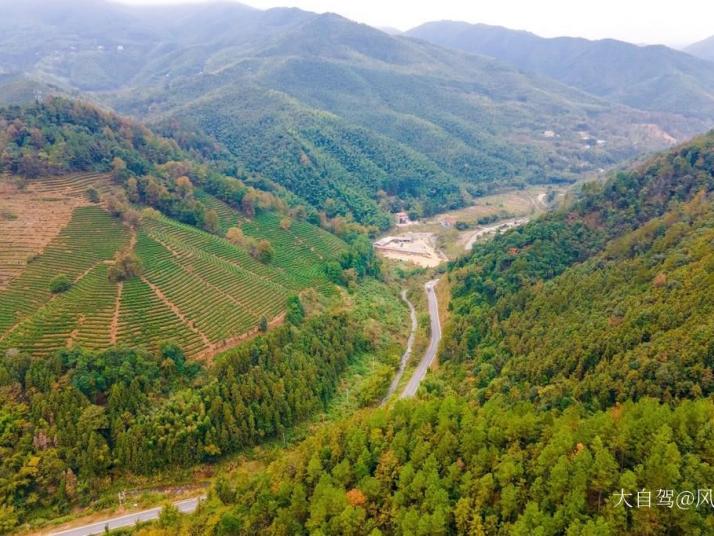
{"x": 114, "y": 360}
{"x": 58, "y": 136}
{"x": 657, "y": 78}
{"x": 198, "y": 296}
{"x": 498, "y": 279}
{"x": 353, "y": 120}
{"x": 61, "y": 135}
{"x": 71, "y": 423}
{"x": 448, "y": 466}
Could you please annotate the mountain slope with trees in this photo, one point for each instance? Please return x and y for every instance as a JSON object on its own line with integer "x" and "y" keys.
{"x": 130, "y": 318}
{"x": 653, "y": 78}
{"x": 155, "y": 244}
{"x": 575, "y": 372}
{"x": 330, "y": 97}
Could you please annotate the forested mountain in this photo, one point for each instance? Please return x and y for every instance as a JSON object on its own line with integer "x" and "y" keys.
{"x": 601, "y": 302}
{"x": 702, "y": 49}
{"x": 336, "y": 111}
{"x": 653, "y": 78}
{"x": 575, "y": 372}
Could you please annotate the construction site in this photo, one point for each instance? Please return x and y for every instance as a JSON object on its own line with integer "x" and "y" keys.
{"x": 419, "y": 248}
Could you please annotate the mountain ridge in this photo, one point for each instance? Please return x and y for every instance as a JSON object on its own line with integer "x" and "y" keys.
{"x": 612, "y": 69}
{"x": 703, "y": 49}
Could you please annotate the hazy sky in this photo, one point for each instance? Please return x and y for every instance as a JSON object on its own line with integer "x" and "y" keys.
{"x": 675, "y": 23}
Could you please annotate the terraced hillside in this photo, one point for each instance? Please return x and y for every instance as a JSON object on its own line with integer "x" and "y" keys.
{"x": 195, "y": 288}
{"x": 32, "y": 214}
{"x": 300, "y": 250}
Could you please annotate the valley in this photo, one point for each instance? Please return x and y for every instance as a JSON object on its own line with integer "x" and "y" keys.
{"x": 276, "y": 272}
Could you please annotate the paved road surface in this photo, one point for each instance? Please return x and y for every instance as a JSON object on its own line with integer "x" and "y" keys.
{"x": 407, "y": 353}
{"x": 127, "y": 520}
{"x": 485, "y": 230}
{"x": 427, "y": 360}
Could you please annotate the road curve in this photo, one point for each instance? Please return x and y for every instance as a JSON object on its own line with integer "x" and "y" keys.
{"x": 407, "y": 353}
{"x": 426, "y": 361}
{"x": 100, "y": 527}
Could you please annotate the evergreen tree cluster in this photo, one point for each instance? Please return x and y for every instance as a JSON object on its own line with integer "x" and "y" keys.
{"x": 69, "y": 423}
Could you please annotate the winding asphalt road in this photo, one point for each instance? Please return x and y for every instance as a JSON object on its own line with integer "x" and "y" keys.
{"x": 407, "y": 353}
{"x": 99, "y": 527}
{"x": 426, "y": 361}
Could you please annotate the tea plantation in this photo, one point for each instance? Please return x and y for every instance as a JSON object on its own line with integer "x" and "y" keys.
{"x": 194, "y": 288}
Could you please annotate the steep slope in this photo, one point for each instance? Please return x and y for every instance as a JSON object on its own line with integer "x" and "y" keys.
{"x": 601, "y": 303}
{"x": 195, "y": 289}
{"x": 647, "y": 77}
{"x": 448, "y": 466}
{"x": 130, "y": 261}
{"x": 703, "y": 49}
{"x": 375, "y": 112}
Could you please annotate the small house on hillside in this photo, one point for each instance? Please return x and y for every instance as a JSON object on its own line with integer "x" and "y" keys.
{"x": 402, "y": 218}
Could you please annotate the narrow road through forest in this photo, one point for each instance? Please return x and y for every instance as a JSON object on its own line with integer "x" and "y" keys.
{"x": 407, "y": 353}
{"x": 426, "y": 361}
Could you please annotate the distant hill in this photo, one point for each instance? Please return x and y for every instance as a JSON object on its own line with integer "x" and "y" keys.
{"x": 702, "y": 49}
{"x": 375, "y": 112}
{"x": 653, "y": 78}
{"x": 18, "y": 89}
{"x": 352, "y": 120}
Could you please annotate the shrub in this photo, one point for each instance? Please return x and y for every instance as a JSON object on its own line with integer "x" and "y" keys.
{"x": 235, "y": 236}
{"x": 92, "y": 195}
{"x": 334, "y": 273}
{"x": 295, "y": 311}
{"x": 211, "y": 222}
{"x": 60, "y": 284}
{"x": 126, "y": 266}
{"x": 264, "y": 252}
